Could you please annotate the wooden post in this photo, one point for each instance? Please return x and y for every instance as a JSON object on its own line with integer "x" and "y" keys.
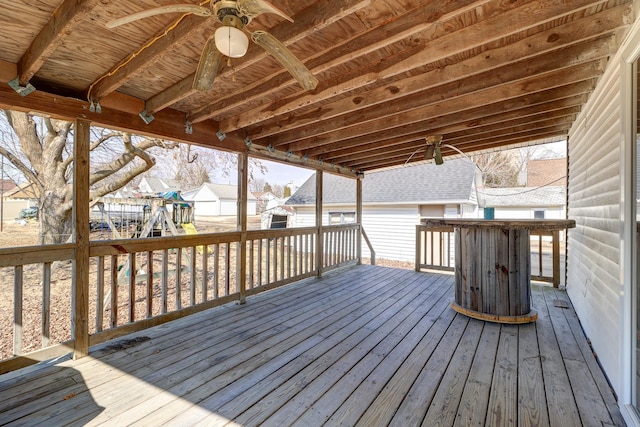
{"x": 241, "y": 263}
{"x": 319, "y": 242}
{"x": 80, "y": 281}
{"x": 359, "y": 219}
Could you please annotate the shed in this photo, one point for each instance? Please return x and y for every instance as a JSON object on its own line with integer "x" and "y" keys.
{"x": 218, "y": 200}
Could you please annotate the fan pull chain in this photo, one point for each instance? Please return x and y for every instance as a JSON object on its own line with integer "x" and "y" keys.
{"x": 233, "y": 69}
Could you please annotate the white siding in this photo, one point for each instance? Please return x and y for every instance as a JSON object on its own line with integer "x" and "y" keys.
{"x": 391, "y": 229}
{"x": 594, "y": 190}
{"x": 528, "y": 213}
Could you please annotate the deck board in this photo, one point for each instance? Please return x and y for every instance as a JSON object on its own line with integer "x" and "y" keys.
{"x": 361, "y": 346}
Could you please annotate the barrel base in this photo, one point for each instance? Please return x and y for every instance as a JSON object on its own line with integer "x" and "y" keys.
{"x": 531, "y": 316}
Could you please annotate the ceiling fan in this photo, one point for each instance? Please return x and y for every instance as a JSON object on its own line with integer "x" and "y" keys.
{"x": 433, "y": 150}
{"x": 229, "y": 40}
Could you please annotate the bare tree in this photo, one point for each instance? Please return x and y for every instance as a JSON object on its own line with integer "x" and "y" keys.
{"x": 40, "y": 148}
{"x": 499, "y": 169}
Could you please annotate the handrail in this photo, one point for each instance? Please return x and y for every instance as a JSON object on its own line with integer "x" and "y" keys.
{"x": 369, "y": 245}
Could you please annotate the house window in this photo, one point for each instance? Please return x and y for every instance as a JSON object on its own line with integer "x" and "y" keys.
{"x": 336, "y": 218}
{"x": 538, "y": 214}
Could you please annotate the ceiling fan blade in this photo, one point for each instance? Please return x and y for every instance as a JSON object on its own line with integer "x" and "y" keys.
{"x": 253, "y": 8}
{"x": 207, "y": 67}
{"x": 286, "y": 58}
{"x": 175, "y": 8}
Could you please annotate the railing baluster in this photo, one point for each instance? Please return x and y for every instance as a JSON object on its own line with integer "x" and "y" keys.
{"x": 205, "y": 269}
{"x": 260, "y": 262}
{"x": 132, "y": 287}
{"x": 17, "y": 310}
{"x": 216, "y": 270}
{"x": 227, "y": 276}
{"x": 179, "y": 279}
{"x": 165, "y": 281}
{"x": 251, "y": 266}
{"x": 192, "y": 278}
{"x": 114, "y": 291}
{"x": 149, "y": 284}
{"x": 99, "y": 298}
{"x": 282, "y": 261}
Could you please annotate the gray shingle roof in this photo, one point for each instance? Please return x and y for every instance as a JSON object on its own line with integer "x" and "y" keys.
{"x": 523, "y": 196}
{"x": 423, "y": 183}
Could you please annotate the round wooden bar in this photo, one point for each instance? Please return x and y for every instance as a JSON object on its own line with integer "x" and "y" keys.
{"x": 493, "y": 267}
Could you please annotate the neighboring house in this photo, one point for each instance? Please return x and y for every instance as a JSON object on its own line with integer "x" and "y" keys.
{"x": 525, "y": 202}
{"x": 218, "y": 200}
{"x": 393, "y": 202}
{"x": 17, "y": 197}
{"x": 551, "y": 172}
{"x": 24, "y": 191}
{"x": 155, "y": 186}
{"x": 264, "y": 200}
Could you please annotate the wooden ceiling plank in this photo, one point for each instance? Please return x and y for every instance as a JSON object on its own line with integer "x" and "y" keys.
{"x": 314, "y": 18}
{"x": 344, "y": 116}
{"x": 361, "y": 124}
{"x": 156, "y": 51}
{"x": 60, "y": 25}
{"x": 498, "y": 112}
{"x": 512, "y": 21}
{"x": 414, "y": 21}
{"x": 589, "y": 27}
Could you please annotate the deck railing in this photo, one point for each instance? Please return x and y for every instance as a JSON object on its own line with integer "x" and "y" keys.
{"x": 435, "y": 249}
{"x": 139, "y": 283}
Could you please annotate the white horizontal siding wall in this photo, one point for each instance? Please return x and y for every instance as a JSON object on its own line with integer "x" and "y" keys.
{"x": 594, "y": 255}
{"x": 391, "y": 229}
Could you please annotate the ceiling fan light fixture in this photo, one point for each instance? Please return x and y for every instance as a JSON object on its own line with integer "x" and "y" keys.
{"x": 231, "y": 41}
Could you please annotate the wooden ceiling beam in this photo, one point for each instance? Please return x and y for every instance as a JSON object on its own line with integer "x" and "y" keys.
{"x": 501, "y": 111}
{"x": 588, "y": 27}
{"x": 314, "y": 18}
{"x": 62, "y": 22}
{"x": 417, "y": 20}
{"x": 359, "y": 125}
{"x": 328, "y": 118}
{"x": 156, "y": 51}
{"x": 169, "y": 124}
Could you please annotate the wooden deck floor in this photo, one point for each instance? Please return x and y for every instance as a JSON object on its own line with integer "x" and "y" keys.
{"x": 363, "y": 346}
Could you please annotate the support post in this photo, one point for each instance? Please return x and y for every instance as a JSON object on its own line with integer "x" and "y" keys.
{"x": 319, "y": 236}
{"x": 359, "y": 219}
{"x": 80, "y": 281}
{"x": 243, "y": 168}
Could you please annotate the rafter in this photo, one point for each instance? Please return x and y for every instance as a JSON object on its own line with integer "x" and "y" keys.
{"x": 52, "y": 35}
{"x": 361, "y": 125}
{"x": 547, "y": 101}
{"x": 149, "y": 56}
{"x": 434, "y": 92}
{"x": 415, "y": 21}
{"x": 574, "y": 31}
